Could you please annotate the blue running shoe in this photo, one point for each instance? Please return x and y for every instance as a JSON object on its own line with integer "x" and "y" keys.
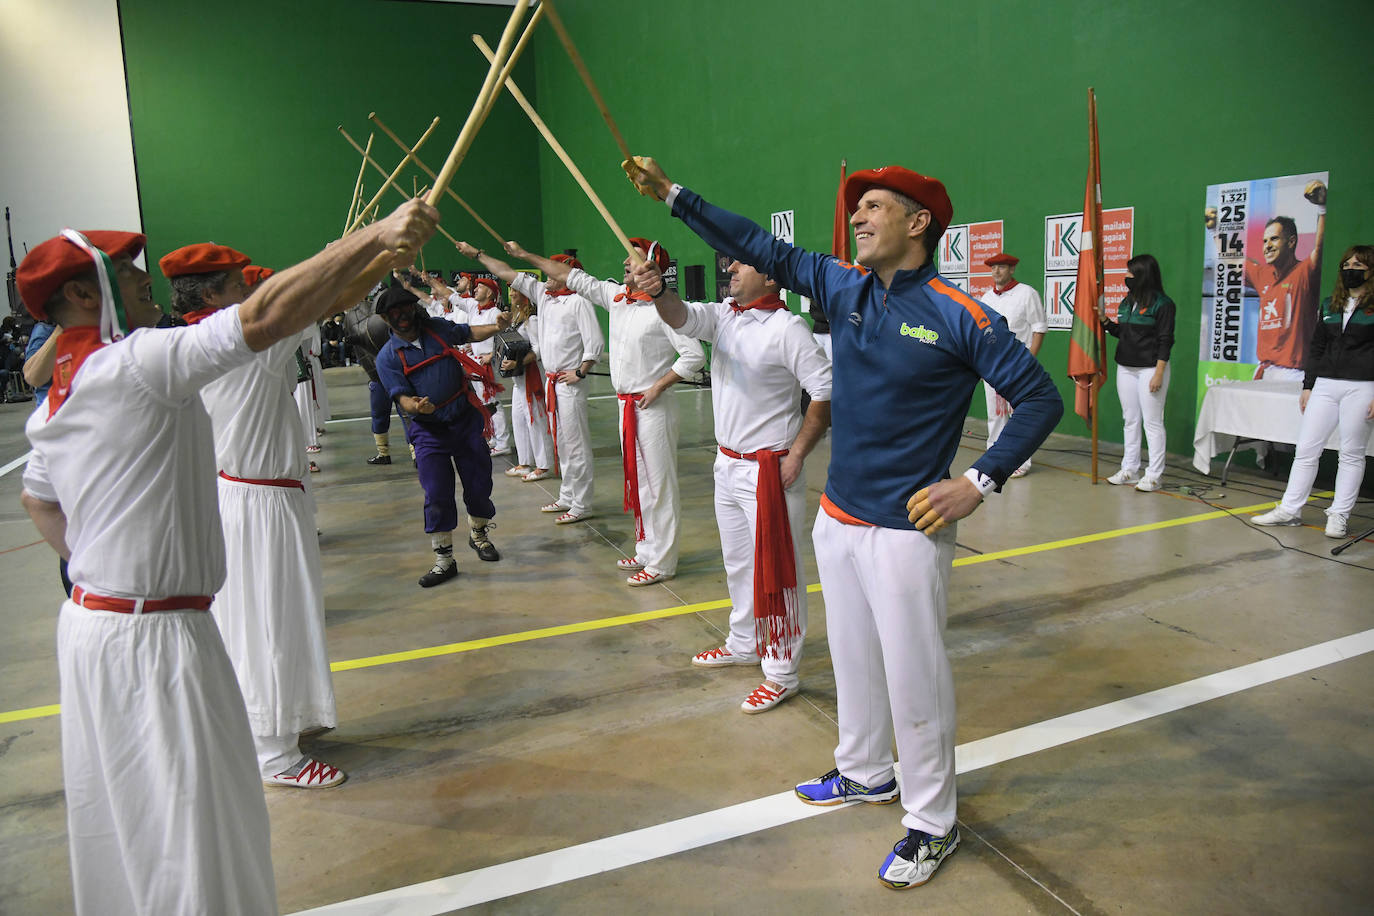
{"x": 834, "y": 789}
{"x": 914, "y": 859}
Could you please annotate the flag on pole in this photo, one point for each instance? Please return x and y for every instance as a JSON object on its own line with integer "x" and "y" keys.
{"x": 839, "y": 242}
{"x": 1087, "y": 338}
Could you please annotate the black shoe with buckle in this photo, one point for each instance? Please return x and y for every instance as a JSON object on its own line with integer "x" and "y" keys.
{"x": 479, "y": 542}
{"x": 379, "y": 459}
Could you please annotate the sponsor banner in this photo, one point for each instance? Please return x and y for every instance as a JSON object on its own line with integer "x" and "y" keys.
{"x": 952, "y": 258}
{"x": 963, "y": 249}
{"x": 1260, "y": 277}
{"x": 784, "y": 225}
{"x": 1063, "y": 238}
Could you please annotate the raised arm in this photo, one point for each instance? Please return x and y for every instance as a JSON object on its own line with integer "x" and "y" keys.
{"x": 289, "y": 301}
{"x": 670, "y": 306}
{"x": 500, "y": 268}
{"x": 556, "y": 269}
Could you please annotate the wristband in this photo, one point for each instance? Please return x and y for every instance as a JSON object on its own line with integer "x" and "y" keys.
{"x": 579, "y": 373}
{"x": 662, "y": 288}
{"x": 983, "y": 482}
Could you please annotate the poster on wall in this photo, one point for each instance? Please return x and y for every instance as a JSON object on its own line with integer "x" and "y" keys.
{"x": 1063, "y": 233}
{"x": 1261, "y": 277}
{"x": 962, "y": 251}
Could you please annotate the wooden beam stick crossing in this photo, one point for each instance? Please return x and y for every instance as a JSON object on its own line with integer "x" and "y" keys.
{"x": 430, "y": 172}
{"x": 358, "y": 185}
{"x": 490, "y": 86}
{"x": 394, "y": 186}
{"x": 392, "y": 177}
{"x": 562, "y": 154}
{"x": 566, "y": 39}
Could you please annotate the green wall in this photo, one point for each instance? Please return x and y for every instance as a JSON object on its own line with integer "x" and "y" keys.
{"x": 235, "y": 114}
{"x": 754, "y": 104}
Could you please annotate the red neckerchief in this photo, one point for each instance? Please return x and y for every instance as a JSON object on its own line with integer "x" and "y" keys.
{"x": 482, "y": 307}
{"x": 629, "y": 458}
{"x": 768, "y": 303}
{"x": 198, "y": 315}
{"x": 1005, "y": 289}
{"x": 636, "y": 296}
{"x": 73, "y": 346}
{"x": 563, "y": 291}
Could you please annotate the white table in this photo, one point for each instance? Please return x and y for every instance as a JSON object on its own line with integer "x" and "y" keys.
{"x": 1238, "y": 415}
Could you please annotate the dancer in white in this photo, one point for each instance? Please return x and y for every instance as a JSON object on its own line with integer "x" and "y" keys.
{"x": 164, "y": 805}
{"x": 762, "y": 358}
{"x": 569, "y": 342}
{"x": 1020, "y": 304}
{"x": 528, "y": 404}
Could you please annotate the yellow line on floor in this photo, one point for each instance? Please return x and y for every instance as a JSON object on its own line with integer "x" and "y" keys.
{"x": 391, "y": 658}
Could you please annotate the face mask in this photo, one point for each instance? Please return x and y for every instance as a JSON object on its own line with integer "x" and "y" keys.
{"x": 1353, "y": 277}
{"x": 1131, "y": 283}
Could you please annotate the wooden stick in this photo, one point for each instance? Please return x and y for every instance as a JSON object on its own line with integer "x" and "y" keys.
{"x": 566, "y": 39}
{"x": 358, "y": 185}
{"x": 562, "y": 154}
{"x": 510, "y": 62}
{"x": 490, "y": 86}
{"x": 430, "y": 172}
{"x": 399, "y": 168}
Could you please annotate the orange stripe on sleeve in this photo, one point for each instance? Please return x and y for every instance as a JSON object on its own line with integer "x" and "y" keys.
{"x": 971, "y": 306}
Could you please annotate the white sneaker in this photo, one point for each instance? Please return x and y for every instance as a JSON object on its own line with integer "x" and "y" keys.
{"x": 1336, "y": 525}
{"x": 1276, "y": 516}
{"x": 1148, "y": 484}
{"x": 1123, "y": 477}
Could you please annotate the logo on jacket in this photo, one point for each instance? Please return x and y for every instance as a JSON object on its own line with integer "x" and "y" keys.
{"x": 856, "y": 319}
{"x": 921, "y": 333}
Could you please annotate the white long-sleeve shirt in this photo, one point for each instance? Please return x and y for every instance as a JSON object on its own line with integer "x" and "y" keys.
{"x": 643, "y": 348}
{"x": 568, "y": 333}
{"x": 131, "y": 460}
{"x": 1022, "y": 308}
{"x": 760, "y": 363}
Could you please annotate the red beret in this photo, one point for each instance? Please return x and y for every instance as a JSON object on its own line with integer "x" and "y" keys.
{"x": 489, "y": 283}
{"x": 567, "y": 259}
{"x": 1002, "y": 258}
{"x": 202, "y": 258}
{"x": 660, "y": 253}
{"x": 923, "y": 189}
{"x": 57, "y": 260}
{"x": 253, "y": 274}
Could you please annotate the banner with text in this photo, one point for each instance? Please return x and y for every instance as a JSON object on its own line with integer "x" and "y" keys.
{"x": 1063, "y": 234}
{"x": 963, "y": 249}
{"x": 1261, "y": 277}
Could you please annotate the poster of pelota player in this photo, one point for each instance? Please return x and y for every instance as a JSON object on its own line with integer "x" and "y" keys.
{"x": 1261, "y": 277}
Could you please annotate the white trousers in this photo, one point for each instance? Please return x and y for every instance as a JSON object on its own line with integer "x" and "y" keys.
{"x": 737, "y": 482}
{"x": 1334, "y": 404}
{"x": 1140, "y": 405}
{"x": 885, "y": 595}
{"x": 500, "y": 428}
{"x": 656, "y": 444}
{"x": 165, "y": 811}
{"x": 533, "y": 444}
{"x": 320, "y": 391}
{"x": 271, "y": 614}
{"x": 305, "y": 403}
{"x": 574, "y": 449}
{"x": 999, "y": 412}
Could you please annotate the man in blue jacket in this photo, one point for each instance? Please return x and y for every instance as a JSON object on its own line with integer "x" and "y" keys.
{"x": 909, "y": 348}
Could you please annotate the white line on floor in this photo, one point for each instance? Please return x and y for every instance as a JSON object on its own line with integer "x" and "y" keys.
{"x": 16, "y": 463}
{"x": 523, "y": 875}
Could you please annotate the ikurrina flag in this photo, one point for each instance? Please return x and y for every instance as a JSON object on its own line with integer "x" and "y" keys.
{"x": 1087, "y": 339}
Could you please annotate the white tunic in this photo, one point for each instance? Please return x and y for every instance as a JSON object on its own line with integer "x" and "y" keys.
{"x": 642, "y": 346}
{"x": 165, "y": 807}
{"x": 569, "y": 333}
{"x": 271, "y": 608}
{"x": 760, "y": 363}
{"x": 1022, "y": 308}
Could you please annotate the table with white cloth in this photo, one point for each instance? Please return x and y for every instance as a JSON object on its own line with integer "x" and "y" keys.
{"x": 1239, "y": 415}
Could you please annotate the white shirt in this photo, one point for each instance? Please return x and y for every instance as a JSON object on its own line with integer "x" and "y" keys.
{"x": 760, "y": 362}
{"x": 311, "y": 341}
{"x": 642, "y": 346}
{"x": 477, "y": 318}
{"x": 1022, "y": 308}
{"x": 258, "y": 432}
{"x": 568, "y": 333}
{"x": 131, "y": 460}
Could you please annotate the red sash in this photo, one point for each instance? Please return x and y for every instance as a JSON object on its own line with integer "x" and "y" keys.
{"x": 73, "y": 347}
{"x": 777, "y": 620}
{"x": 283, "y": 482}
{"x": 629, "y": 441}
{"x": 551, "y": 406}
{"x": 534, "y": 391}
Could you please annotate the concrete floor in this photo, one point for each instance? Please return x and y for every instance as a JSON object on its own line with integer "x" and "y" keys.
{"x": 1257, "y": 802}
